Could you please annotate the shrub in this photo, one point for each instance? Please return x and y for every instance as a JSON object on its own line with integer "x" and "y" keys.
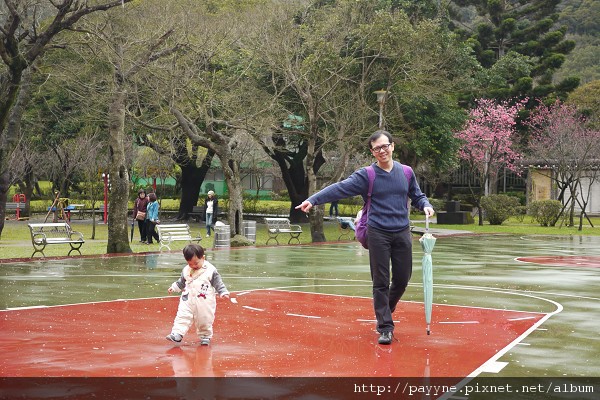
{"x": 438, "y": 204}
{"x": 545, "y": 212}
{"x": 499, "y": 207}
{"x": 521, "y": 212}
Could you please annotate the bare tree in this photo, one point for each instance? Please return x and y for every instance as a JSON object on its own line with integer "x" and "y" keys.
{"x": 563, "y": 141}
{"x": 29, "y": 28}
{"x": 128, "y": 49}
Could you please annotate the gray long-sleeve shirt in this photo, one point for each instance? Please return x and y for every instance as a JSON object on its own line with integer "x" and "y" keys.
{"x": 389, "y": 200}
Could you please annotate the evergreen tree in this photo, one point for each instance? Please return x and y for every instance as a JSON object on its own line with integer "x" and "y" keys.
{"x": 519, "y": 45}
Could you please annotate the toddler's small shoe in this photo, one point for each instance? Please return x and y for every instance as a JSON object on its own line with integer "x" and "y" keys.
{"x": 174, "y": 337}
{"x": 205, "y": 341}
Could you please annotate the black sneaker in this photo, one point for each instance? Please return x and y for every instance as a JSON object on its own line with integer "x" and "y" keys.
{"x": 205, "y": 341}
{"x": 386, "y": 338}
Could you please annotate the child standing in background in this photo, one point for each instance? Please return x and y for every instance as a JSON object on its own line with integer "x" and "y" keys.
{"x": 199, "y": 283}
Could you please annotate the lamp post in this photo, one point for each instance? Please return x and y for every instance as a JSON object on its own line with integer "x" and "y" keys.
{"x": 105, "y": 178}
{"x": 381, "y": 98}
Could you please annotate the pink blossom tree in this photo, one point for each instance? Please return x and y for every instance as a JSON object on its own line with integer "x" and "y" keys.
{"x": 489, "y": 144}
{"x": 562, "y": 139}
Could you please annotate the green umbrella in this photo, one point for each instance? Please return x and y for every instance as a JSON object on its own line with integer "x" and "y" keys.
{"x": 427, "y": 243}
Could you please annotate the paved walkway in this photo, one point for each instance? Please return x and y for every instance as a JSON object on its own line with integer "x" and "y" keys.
{"x": 419, "y": 230}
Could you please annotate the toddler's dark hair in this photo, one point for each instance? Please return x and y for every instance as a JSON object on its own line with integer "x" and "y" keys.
{"x": 192, "y": 250}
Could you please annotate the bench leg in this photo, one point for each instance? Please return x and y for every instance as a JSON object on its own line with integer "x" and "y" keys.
{"x": 274, "y": 238}
{"x": 164, "y": 245}
{"x": 75, "y": 247}
{"x": 70, "y": 251}
{"x": 38, "y": 251}
{"x": 345, "y": 233}
{"x": 294, "y": 236}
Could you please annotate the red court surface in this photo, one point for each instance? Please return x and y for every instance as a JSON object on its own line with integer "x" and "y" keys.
{"x": 564, "y": 261}
{"x": 266, "y": 333}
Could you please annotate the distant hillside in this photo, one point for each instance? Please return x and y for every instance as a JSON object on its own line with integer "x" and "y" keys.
{"x": 583, "y": 20}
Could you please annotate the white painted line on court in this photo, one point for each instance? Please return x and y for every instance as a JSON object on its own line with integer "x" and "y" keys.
{"x": 458, "y": 322}
{"x": 302, "y": 315}
{"x": 520, "y": 318}
{"x": 252, "y": 308}
{"x": 493, "y": 367}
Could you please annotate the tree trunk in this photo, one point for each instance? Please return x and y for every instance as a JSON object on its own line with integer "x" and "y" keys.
{"x": 316, "y": 223}
{"x": 4, "y": 186}
{"x": 118, "y": 240}
{"x": 191, "y": 182}
{"x": 235, "y": 216}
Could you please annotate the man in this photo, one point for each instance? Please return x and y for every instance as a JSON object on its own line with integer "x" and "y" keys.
{"x": 389, "y": 236}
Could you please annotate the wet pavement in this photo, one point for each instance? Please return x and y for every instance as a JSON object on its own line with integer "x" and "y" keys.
{"x": 469, "y": 271}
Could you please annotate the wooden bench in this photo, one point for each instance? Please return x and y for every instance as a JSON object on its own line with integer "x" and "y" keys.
{"x": 44, "y": 234}
{"x": 345, "y": 227}
{"x": 169, "y": 233}
{"x": 275, "y": 226}
{"x": 197, "y": 213}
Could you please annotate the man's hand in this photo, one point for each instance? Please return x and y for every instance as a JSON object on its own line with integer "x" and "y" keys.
{"x": 305, "y": 206}
{"x": 225, "y": 296}
{"x": 429, "y": 212}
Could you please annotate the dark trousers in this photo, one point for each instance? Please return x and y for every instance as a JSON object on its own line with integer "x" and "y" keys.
{"x": 142, "y": 226}
{"x": 150, "y": 231}
{"x": 383, "y": 247}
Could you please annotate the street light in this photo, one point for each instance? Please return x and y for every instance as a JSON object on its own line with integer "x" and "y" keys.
{"x": 381, "y": 98}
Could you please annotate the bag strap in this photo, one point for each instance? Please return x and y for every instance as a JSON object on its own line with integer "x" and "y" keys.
{"x": 408, "y": 173}
{"x": 371, "y": 174}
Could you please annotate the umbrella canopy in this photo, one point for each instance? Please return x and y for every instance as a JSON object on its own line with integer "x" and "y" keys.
{"x": 427, "y": 243}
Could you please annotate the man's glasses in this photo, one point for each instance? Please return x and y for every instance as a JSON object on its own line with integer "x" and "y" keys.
{"x": 381, "y": 148}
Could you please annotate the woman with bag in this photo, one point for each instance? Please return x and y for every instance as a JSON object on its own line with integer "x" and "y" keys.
{"x": 140, "y": 206}
{"x": 388, "y": 237}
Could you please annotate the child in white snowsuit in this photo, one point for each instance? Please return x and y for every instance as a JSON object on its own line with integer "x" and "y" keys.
{"x": 199, "y": 283}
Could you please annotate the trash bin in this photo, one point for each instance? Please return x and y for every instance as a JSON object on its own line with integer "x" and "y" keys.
{"x": 250, "y": 230}
{"x": 222, "y": 236}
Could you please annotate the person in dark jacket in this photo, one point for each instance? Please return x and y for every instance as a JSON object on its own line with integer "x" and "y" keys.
{"x": 388, "y": 226}
{"x": 139, "y": 213}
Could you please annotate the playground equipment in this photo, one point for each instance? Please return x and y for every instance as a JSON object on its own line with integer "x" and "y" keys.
{"x": 18, "y": 203}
